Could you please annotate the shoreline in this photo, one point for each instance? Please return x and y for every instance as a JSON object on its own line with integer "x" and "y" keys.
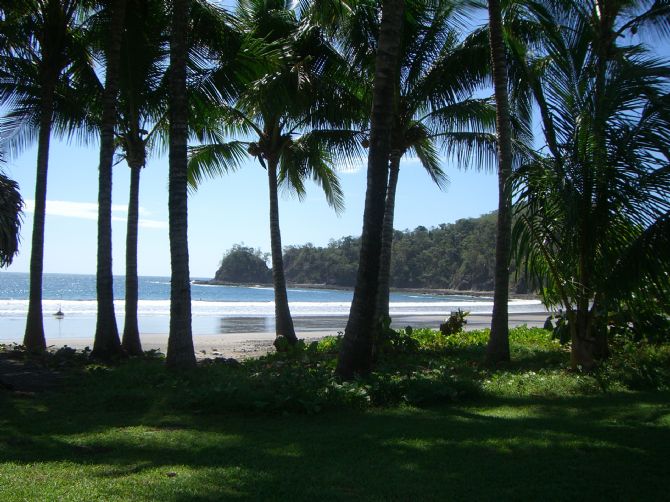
{"x": 336, "y": 287}
{"x": 247, "y": 344}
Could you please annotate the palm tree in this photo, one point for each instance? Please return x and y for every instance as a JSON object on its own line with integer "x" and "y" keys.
{"x": 497, "y": 349}
{"x": 356, "y": 352}
{"x": 143, "y": 106}
{"x": 593, "y": 214}
{"x": 438, "y": 75}
{"x": 41, "y": 47}
{"x": 142, "y": 117}
{"x": 287, "y": 107}
{"x": 106, "y": 343}
{"x": 180, "y": 352}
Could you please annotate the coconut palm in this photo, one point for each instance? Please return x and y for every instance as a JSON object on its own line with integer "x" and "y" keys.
{"x": 142, "y": 114}
{"x": 593, "y": 214}
{"x": 497, "y": 349}
{"x": 106, "y": 343}
{"x": 286, "y": 108}
{"x": 438, "y": 75}
{"x": 180, "y": 353}
{"x": 42, "y": 47}
{"x": 355, "y": 355}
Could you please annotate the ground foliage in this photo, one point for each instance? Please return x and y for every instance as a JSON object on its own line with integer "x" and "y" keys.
{"x": 414, "y": 367}
{"x": 282, "y": 427}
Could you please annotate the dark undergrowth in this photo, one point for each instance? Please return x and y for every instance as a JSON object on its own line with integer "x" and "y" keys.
{"x": 431, "y": 423}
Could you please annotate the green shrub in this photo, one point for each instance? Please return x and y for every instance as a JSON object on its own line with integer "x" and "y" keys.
{"x": 636, "y": 366}
{"x": 455, "y": 323}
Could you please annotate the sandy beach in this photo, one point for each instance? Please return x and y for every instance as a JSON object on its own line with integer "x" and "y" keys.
{"x": 258, "y": 340}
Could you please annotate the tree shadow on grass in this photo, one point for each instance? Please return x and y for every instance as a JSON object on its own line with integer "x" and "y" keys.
{"x": 593, "y": 447}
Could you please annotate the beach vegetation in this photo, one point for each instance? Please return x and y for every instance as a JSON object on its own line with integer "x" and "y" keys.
{"x": 357, "y": 348}
{"x": 593, "y": 207}
{"x": 436, "y": 109}
{"x": 142, "y": 114}
{"x": 11, "y": 206}
{"x": 498, "y": 346}
{"x": 180, "y": 353}
{"x": 296, "y": 109}
{"x": 260, "y": 427}
{"x": 106, "y": 342}
{"x": 43, "y": 52}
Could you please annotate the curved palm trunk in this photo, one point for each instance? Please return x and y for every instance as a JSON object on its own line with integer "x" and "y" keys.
{"x": 497, "y": 349}
{"x": 387, "y": 239}
{"x": 180, "y": 353}
{"x": 356, "y": 352}
{"x": 131, "y": 333}
{"x": 34, "y": 339}
{"x": 283, "y": 321}
{"x": 107, "y": 344}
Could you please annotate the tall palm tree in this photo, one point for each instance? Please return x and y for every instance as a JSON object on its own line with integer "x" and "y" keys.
{"x": 180, "y": 353}
{"x": 497, "y": 349}
{"x": 142, "y": 120}
{"x": 143, "y": 105}
{"x": 287, "y": 106}
{"x": 356, "y": 353}
{"x": 438, "y": 75}
{"x": 106, "y": 343}
{"x": 593, "y": 215}
{"x": 41, "y": 48}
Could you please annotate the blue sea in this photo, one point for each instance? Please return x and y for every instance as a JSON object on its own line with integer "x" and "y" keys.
{"x": 216, "y": 309}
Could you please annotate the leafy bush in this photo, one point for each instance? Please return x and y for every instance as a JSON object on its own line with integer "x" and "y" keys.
{"x": 390, "y": 341}
{"x": 636, "y": 366}
{"x": 455, "y": 323}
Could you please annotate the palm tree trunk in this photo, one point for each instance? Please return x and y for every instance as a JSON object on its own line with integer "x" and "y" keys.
{"x": 283, "y": 321}
{"x": 356, "y": 352}
{"x": 106, "y": 344}
{"x": 497, "y": 349}
{"x": 387, "y": 238}
{"x": 131, "y": 333}
{"x": 180, "y": 353}
{"x": 34, "y": 339}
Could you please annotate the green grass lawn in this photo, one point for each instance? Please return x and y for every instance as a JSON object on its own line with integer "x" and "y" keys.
{"x": 93, "y": 440}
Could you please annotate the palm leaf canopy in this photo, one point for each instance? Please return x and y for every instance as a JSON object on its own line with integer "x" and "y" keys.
{"x": 592, "y": 216}
{"x": 41, "y": 40}
{"x": 300, "y": 88}
{"x": 440, "y": 73}
{"x": 11, "y": 205}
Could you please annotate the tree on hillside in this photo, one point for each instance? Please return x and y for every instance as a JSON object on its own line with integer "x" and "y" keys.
{"x": 356, "y": 352}
{"x": 290, "y": 108}
{"x": 245, "y": 265}
{"x": 593, "y": 217}
{"x": 42, "y": 47}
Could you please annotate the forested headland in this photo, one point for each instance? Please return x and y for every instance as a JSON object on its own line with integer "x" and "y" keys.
{"x": 455, "y": 256}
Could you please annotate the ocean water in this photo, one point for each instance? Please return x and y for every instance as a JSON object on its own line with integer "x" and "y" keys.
{"x": 215, "y": 309}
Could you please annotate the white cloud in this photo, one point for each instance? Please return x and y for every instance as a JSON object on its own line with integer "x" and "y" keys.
{"x": 89, "y": 211}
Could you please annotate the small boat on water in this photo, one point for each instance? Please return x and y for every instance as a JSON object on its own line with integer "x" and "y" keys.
{"x": 59, "y": 314}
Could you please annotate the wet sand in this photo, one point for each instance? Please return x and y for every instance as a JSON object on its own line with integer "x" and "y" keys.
{"x": 253, "y": 337}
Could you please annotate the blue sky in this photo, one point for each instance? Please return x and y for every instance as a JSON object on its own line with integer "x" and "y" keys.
{"x": 232, "y": 209}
